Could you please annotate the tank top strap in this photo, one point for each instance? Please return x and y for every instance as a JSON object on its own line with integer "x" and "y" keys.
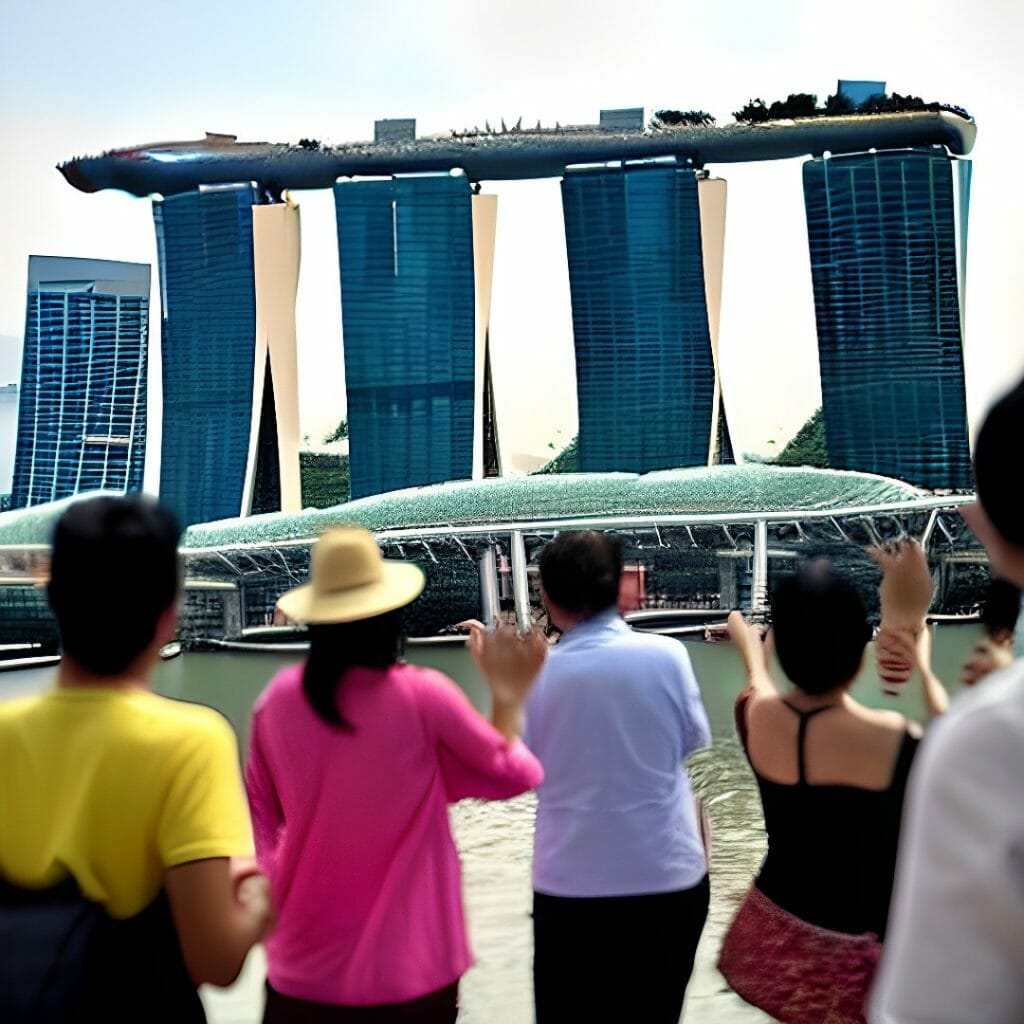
{"x": 908, "y": 748}
{"x": 801, "y": 736}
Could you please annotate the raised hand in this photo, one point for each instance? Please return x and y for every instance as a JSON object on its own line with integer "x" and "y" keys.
{"x": 509, "y": 661}
{"x": 904, "y": 594}
{"x": 906, "y": 588}
{"x": 747, "y": 640}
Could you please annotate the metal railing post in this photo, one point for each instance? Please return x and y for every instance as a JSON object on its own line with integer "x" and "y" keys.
{"x": 520, "y": 582}
{"x": 489, "y": 603}
{"x": 759, "y": 583}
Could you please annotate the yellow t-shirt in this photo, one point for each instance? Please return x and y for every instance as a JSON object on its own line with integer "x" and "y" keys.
{"x": 115, "y": 787}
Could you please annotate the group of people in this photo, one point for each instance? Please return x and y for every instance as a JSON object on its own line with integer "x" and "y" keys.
{"x": 129, "y": 872}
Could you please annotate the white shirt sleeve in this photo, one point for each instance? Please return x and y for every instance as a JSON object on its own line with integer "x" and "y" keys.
{"x": 954, "y": 950}
{"x": 697, "y": 729}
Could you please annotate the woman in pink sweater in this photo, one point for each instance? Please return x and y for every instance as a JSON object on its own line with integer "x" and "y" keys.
{"x": 353, "y": 761}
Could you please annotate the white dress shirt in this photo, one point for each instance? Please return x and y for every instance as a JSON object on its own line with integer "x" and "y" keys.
{"x": 954, "y": 951}
{"x": 612, "y": 717}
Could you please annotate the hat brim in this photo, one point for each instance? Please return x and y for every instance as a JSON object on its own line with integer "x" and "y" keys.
{"x": 400, "y": 584}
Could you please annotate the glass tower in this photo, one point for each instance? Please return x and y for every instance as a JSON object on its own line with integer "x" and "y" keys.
{"x": 886, "y": 262}
{"x": 407, "y": 281}
{"x": 82, "y": 408}
{"x": 205, "y": 243}
{"x": 645, "y": 370}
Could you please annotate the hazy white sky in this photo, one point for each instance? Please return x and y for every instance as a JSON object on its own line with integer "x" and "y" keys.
{"x": 78, "y": 78}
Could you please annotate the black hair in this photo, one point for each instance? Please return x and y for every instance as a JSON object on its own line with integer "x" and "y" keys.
{"x": 1000, "y": 607}
{"x": 581, "y": 570}
{"x": 336, "y": 647}
{"x": 820, "y": 628}
{"x": 114, "y": 570}
{"x": 996, "y": 451}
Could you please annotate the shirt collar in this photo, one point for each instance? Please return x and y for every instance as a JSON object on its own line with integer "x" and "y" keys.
{"x": 609, "y": 619}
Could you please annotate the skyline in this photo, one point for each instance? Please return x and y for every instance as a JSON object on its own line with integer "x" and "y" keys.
{"x": 431, "y": 65}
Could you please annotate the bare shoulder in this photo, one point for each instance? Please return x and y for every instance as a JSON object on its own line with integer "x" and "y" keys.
{"x": 879, "y": 719}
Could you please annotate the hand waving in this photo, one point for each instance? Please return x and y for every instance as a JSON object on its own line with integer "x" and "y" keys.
{"x": 904, "y": 594}
{"x": 906, "y": 588}
{"x": 509, "y": 660}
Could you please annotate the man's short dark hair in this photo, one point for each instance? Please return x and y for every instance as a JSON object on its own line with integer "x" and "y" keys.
{"x": 820, "y": 628}
{"x": 113, "y": 572}
{"x": 996, "y": 452}
{"x": 1000, "y": 607}
{"x": 580, "y": 571}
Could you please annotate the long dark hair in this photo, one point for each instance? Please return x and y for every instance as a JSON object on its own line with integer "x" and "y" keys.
{"x": 336, "y": 647}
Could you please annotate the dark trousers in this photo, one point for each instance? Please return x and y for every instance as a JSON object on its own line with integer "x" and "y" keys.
{"x": 441, "y": 1007}
{"x": 615, "y": 958}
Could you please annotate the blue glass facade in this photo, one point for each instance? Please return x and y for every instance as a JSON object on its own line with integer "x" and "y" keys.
{"x": 205, "y": 242}
{"x": 883, "y": 248}
{"x": 644, "y": 367}
{"x": 82, "y": 408}
{"x": 406, "y": 255}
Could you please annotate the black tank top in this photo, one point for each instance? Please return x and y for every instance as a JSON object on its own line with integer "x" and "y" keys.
{"x": 831, "y": 848}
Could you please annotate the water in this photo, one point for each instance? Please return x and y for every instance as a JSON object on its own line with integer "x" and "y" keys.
{"x": 494, "y": 839}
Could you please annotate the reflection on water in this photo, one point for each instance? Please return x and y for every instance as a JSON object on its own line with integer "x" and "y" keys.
{"x": 495, "y": 839}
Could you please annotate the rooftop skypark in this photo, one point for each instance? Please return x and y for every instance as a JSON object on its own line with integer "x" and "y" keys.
{"x": 169, "y": 168}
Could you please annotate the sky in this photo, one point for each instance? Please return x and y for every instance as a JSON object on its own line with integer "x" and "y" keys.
{"x": 76, "y": 79}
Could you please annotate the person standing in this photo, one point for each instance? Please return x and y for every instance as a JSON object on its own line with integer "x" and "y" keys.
{"x": 619, "y": 866}
{"x": 354, "y": 758}
{"x": 126, "y": 876}
{"x": 955, "y": 949}
{"x": 831, "y": 774}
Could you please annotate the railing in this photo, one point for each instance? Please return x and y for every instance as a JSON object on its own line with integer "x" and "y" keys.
{"x": 235, "y": 586}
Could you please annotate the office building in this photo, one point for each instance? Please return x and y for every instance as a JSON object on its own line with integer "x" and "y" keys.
{"x": 887, "y": 234}
{"x": 82, "y": 405}
{"x": 415, "y": 326}
{"x": 228, "y": 277}
{"x": 646, "y": 288}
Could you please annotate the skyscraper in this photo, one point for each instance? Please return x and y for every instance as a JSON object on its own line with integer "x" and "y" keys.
{"x": 645, "y": 349}
{"x": 408, "y": 307}
{"x": 82, "y": 408}
{"x": 228, "y": 276}
{"x": 887, "y": 235}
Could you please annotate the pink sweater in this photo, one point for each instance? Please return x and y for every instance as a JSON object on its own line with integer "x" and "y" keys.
{"x": 352, "y": 830}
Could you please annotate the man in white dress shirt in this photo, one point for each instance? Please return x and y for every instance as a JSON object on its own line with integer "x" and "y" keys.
{"x": 954, "y": 950}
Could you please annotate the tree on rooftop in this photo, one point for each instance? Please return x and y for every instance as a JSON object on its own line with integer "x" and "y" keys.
{"x": 339, "y": 433}
{"x": 838, "y": 104}
{"x": 796, "y": 104}
{"x": 807, "y": 447}
{"x": 752, "y": 112}
{"x": 677, "y": 118}
{"x": 566, "y": 461}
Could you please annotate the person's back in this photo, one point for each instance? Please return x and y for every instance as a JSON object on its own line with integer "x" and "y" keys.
{"x": 612, "y": 726}
{"x": 101, "y": 783}
{"x": 121, "y": 809}
{"x": 955, "y": 948}
{"x": 832, "y": 775}
{"x": 350, "y": 832}
{"x": 619, "y": 867}
{"x": 831, "y": 779}
{"x": 353, "y": 760}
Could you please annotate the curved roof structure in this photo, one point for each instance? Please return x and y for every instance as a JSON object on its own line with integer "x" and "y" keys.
{"x": 172, "y": 167}
{"x": 704, "y": 492}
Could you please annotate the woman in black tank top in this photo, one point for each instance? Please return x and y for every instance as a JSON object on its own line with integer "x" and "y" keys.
{"x": 832, "y": 775}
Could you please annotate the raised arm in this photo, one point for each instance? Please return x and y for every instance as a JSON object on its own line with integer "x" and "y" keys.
{"x": 754, "y": 652}
{"x": 904, "y": 641}
{"x": 905, "y": 593}
{"x": 895, "y": 648}
{"x": 509, "y": 661}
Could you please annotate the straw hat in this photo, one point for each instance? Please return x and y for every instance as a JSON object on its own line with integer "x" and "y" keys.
{"x": 349, "y": 580}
